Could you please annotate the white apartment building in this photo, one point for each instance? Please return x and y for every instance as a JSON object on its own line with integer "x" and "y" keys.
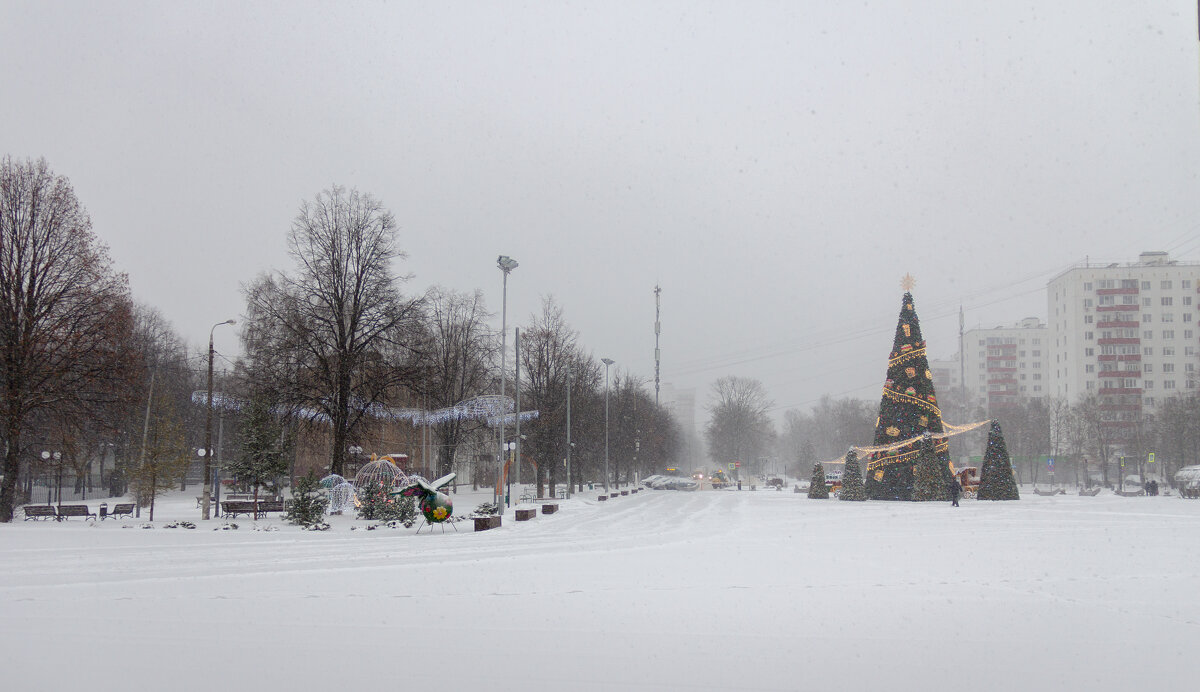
{"x": 1003, "y": 365}
{"x": 1007, "y": 364}
{"x": 1126, "y": 332}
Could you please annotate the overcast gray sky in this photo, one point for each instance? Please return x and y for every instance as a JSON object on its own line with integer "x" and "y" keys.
{"x": 776, "y": 167}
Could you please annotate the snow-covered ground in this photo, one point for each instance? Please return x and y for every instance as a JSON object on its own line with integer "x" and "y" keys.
{"x": 662, "y": 590}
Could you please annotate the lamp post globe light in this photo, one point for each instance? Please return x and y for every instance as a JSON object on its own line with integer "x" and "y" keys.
{"x": 506, "y": 265}
{"x": 607, "y": 362}
{"x": 208, "y": 484}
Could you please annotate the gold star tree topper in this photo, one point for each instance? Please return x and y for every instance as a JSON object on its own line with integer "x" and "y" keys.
{"x": 907, "y": 283}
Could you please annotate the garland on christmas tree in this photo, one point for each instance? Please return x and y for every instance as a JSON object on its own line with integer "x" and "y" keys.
{"x": 996, "y": 480}
{"x": 852, "y": 482}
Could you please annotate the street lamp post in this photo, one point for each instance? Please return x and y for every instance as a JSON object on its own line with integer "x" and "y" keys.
{"x": 207, "y": 494}
{"x": 506, "y": 264}
{"x": 607, "y": 362}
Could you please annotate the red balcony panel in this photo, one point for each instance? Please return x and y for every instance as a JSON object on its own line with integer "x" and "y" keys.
{"x": 1117, "y": 308}
{"x": 1117, "y": 325}
{"x": 1117, "y": 292}
{"x": 1110, "y": 342}
{"x": 1120, "y": 373}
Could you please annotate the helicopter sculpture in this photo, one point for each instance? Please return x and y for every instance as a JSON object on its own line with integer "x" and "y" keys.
{"x": 436, "y": 506}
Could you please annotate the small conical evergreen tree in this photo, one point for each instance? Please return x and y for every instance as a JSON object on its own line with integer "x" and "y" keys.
{"x": 852, "y": 482}
{"x": 307, "y": 507}
{"x": 817, "y": 489}
{"x": 996, "y": 480}
{"x": 930, "y": 474}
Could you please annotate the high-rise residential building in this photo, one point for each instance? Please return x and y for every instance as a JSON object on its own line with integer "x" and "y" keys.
{"x": 1126, "y": 332}
{"x": 1005, "y": 365}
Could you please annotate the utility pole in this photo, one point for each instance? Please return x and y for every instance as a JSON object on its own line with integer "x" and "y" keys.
{"x": 568, "y": 433}
{"x": 962, "y": 366}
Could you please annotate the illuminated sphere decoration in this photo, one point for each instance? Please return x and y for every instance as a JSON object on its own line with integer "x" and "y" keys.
{"x": 380, "y": 471}
{"x": 436, "y": 507}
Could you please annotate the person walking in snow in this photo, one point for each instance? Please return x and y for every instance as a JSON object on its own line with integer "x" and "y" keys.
{"x": 955, "y": 491}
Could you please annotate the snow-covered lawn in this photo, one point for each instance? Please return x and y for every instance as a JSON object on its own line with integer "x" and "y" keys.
{"x": 662, "y": 590}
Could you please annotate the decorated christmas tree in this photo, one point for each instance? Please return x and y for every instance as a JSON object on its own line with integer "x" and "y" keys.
{"x": 996, "y": 481}
{"x": 930, "y": 475}
{"x": 907, "y": 410}
{"x": 852, "y": 483}
{"x": 817, "y": 489}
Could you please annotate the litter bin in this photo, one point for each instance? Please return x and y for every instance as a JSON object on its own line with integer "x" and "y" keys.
{"x": 591, "y": 486}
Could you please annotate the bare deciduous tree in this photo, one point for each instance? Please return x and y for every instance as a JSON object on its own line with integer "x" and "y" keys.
{"x": 739, "y": 428}
{"x": 64, "y": 312}
{"x": 457, "y": 350}
{"x": 332, "y": 338}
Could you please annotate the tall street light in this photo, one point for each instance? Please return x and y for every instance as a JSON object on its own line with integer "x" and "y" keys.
{"x": 607, "y": 362}
{"x": 207, "y": 495}
{"x": 506, "y": 264}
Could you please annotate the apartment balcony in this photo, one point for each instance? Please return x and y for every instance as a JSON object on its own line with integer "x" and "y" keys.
{"x": 1117, "y": 292}
{"x": 1120, "y": 373}
{"x": 1113, "y": 342}
{"x": 1123, "y": 358}
{"x": 1118, "y": 325}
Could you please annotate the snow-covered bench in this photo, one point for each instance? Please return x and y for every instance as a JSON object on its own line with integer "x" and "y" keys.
{"x": 36, "y": 512}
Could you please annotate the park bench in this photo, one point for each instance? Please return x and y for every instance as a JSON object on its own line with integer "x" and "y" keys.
{"x": 68, "y": 511}
{"x": 550, "y": 508}
{"x": 40, "y": 512}
{"x": 526, "y": 514}
{"x": 1089, "y": 492}
{"x": 488, "y": 522}
{"x": 124, "y": 509}
{"x": 265, "y": 506}
{"x": 232, "y": 508}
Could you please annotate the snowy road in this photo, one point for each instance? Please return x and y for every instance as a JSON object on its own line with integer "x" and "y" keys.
{"x": 663, "y": 590}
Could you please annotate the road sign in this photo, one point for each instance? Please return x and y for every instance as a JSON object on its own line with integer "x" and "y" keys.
{"x": 1151, "y": 459}
{"x": 1050, "y": 463}
{"x": 732, "y": 466}
{"x": 737, "y": 464}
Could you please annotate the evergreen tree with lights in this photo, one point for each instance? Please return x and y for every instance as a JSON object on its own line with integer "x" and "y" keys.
{"x": 930, "y": 474}
{"x": 996, "y": 480}
{"x": 817, "y": 490}
{"x": 907, "y": 410}
{"x": 852, "y": 483}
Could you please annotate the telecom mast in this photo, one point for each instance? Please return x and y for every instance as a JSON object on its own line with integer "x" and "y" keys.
{"x": 657, "y": 331}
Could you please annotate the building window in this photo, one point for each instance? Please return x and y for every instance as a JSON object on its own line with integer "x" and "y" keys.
{"x": 1149, "y": 401}
{"x": 1189, "y": 367}
{"x": 1036, "y": 365}
{"x": 1037, "y": 354}
{"x": 1091, "y": 384}
{"x": 1148, "y": 384}
{"x": 1147, "y": 318}
{"x": 1087, "y": 285}
{"x": 1186, "y": 284}
{"x": 1129, "y": 383}
{"x": 1145, "y": 285}
{"x": 1089, "y": 351}
{"x": 1166, "y": 285}
{"x": 1108, "y": 283}
{"x": 1169, "y": 384}
{"x": 1147, "y": 350}
{"x": 1037, "y": 375}
{"x": 1148, "y": 334}
{"x": 1145, "y": 302}
{"x": 1168, "y": 367}
{"x": 1187, "y": 333}
{"x": 1166, "y": 300}
{"x": 1168, "y": 317}
{"x": 1087, "y": 302}
{"x": 1037, "y": 342}
{"x": 1187, "y": 300}
{"x": 1168, "y": 350}
{"x": 1189, "y": 351}
{"x": 1128, "y": 300}
{"x": 1147, "y": 367}
{"x": 1088, "y": 336}
{"x": 1089, "y": 368}
{"x": 1020, "y": 354}
{"x": 1187, "y": 317}
{"x": 1168, "y": 333}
